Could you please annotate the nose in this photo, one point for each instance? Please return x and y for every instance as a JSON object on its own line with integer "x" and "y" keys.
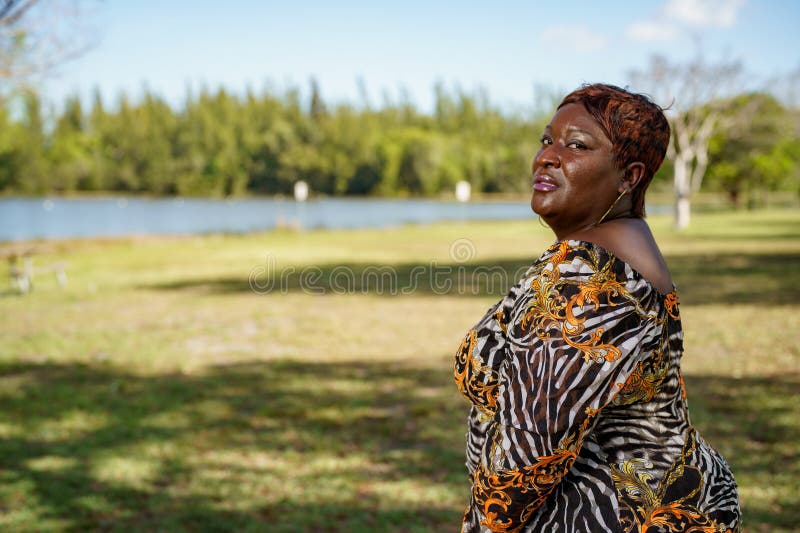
{"x": 547, "y": 156}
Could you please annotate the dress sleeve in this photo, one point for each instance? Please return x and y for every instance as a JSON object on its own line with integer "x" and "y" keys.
{"x": 578, "y": 332}
{"x": 476, "y": 372}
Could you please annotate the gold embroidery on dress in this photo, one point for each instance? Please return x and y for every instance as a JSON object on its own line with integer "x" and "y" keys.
{"x": 549, "y": 310}
{"x": 498, "y": 315}
{"x": 467, "y": 374}
{"x": 672, "y": 305}
{"x": 643, "y": 383}
{"x": 495, "y": 491}
{"x": 647, "y": 507}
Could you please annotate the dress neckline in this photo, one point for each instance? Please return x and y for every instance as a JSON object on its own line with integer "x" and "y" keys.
{"x": 635, "y": 273}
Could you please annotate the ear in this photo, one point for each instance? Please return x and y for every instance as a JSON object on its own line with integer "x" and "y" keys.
{"x": 634, "y": 173}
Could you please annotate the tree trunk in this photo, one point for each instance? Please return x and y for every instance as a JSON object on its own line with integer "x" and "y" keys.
{"x": 735, "y": 199}
{"x": 683, "y": 188}
{"x": 682, "y": 211}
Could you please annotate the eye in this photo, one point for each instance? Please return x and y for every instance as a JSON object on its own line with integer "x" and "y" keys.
{"x": 576, "y": 144}
{"x": 546, "y": 140}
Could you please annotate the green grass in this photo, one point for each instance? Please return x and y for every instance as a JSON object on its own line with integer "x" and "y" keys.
{"x": 159, "y": 392}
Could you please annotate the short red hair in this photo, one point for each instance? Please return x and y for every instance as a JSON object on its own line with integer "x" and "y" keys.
{"x": 635, "y": 125}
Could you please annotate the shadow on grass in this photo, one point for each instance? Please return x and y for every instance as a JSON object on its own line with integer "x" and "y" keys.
{"x": 298, "y": 447}
{"x": 770, "y": 279}
{"x": 755, "y": 424}
{"x": 766, "y": 279}
{"x": 290, "y": 446}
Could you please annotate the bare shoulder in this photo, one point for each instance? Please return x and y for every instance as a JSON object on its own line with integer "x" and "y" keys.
{"x": 632, "y": 241}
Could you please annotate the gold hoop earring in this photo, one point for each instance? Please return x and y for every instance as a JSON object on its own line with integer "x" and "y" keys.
{"x": 542, "y": 223}
{"x": 602, "y": 218}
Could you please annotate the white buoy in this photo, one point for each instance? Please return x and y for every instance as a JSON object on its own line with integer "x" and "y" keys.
{"x": 301, "y": 191}
{"x": 463, "y": 191}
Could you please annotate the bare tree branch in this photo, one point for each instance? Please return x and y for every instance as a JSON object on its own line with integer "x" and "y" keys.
{"x": 37, "y": 36}
{"x": 11, "y": 11}
{"x": 691, "y": 94}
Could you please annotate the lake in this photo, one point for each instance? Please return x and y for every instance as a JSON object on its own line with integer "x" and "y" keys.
{"x": 58, "y": 218}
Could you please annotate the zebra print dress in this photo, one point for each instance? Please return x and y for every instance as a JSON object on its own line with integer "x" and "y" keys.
{"x": 579, "y": 419}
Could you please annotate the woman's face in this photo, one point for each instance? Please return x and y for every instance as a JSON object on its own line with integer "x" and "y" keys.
{"x": 575, "y": 178}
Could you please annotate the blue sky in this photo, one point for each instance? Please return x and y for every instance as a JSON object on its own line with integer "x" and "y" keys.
{"x": 505, "y": 47}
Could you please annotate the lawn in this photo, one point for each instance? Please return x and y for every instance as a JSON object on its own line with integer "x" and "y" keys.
{"x": 301, "y": 381}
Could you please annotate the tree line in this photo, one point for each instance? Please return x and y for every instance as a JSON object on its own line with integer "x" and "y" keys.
{"x": 221, "y": 144}
{"x": 218, "y": 143}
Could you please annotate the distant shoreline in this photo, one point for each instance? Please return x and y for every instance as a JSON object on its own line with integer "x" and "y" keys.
{"x": 90, "y": 195}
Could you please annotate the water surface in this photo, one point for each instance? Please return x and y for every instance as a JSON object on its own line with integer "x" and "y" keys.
{"x": 56, "y": 218}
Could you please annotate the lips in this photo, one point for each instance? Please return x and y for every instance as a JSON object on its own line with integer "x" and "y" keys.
{"x": 544, "y": 183}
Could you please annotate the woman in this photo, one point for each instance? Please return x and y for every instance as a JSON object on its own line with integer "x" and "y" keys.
{"x": 579, "y": 419}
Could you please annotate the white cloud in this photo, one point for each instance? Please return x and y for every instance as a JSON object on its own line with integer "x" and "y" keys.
{"x": 651, "y": 30}
{"x": 704, "y": 13}
{"x": 579, "y": 38}
{"x": 677, "y": 13}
